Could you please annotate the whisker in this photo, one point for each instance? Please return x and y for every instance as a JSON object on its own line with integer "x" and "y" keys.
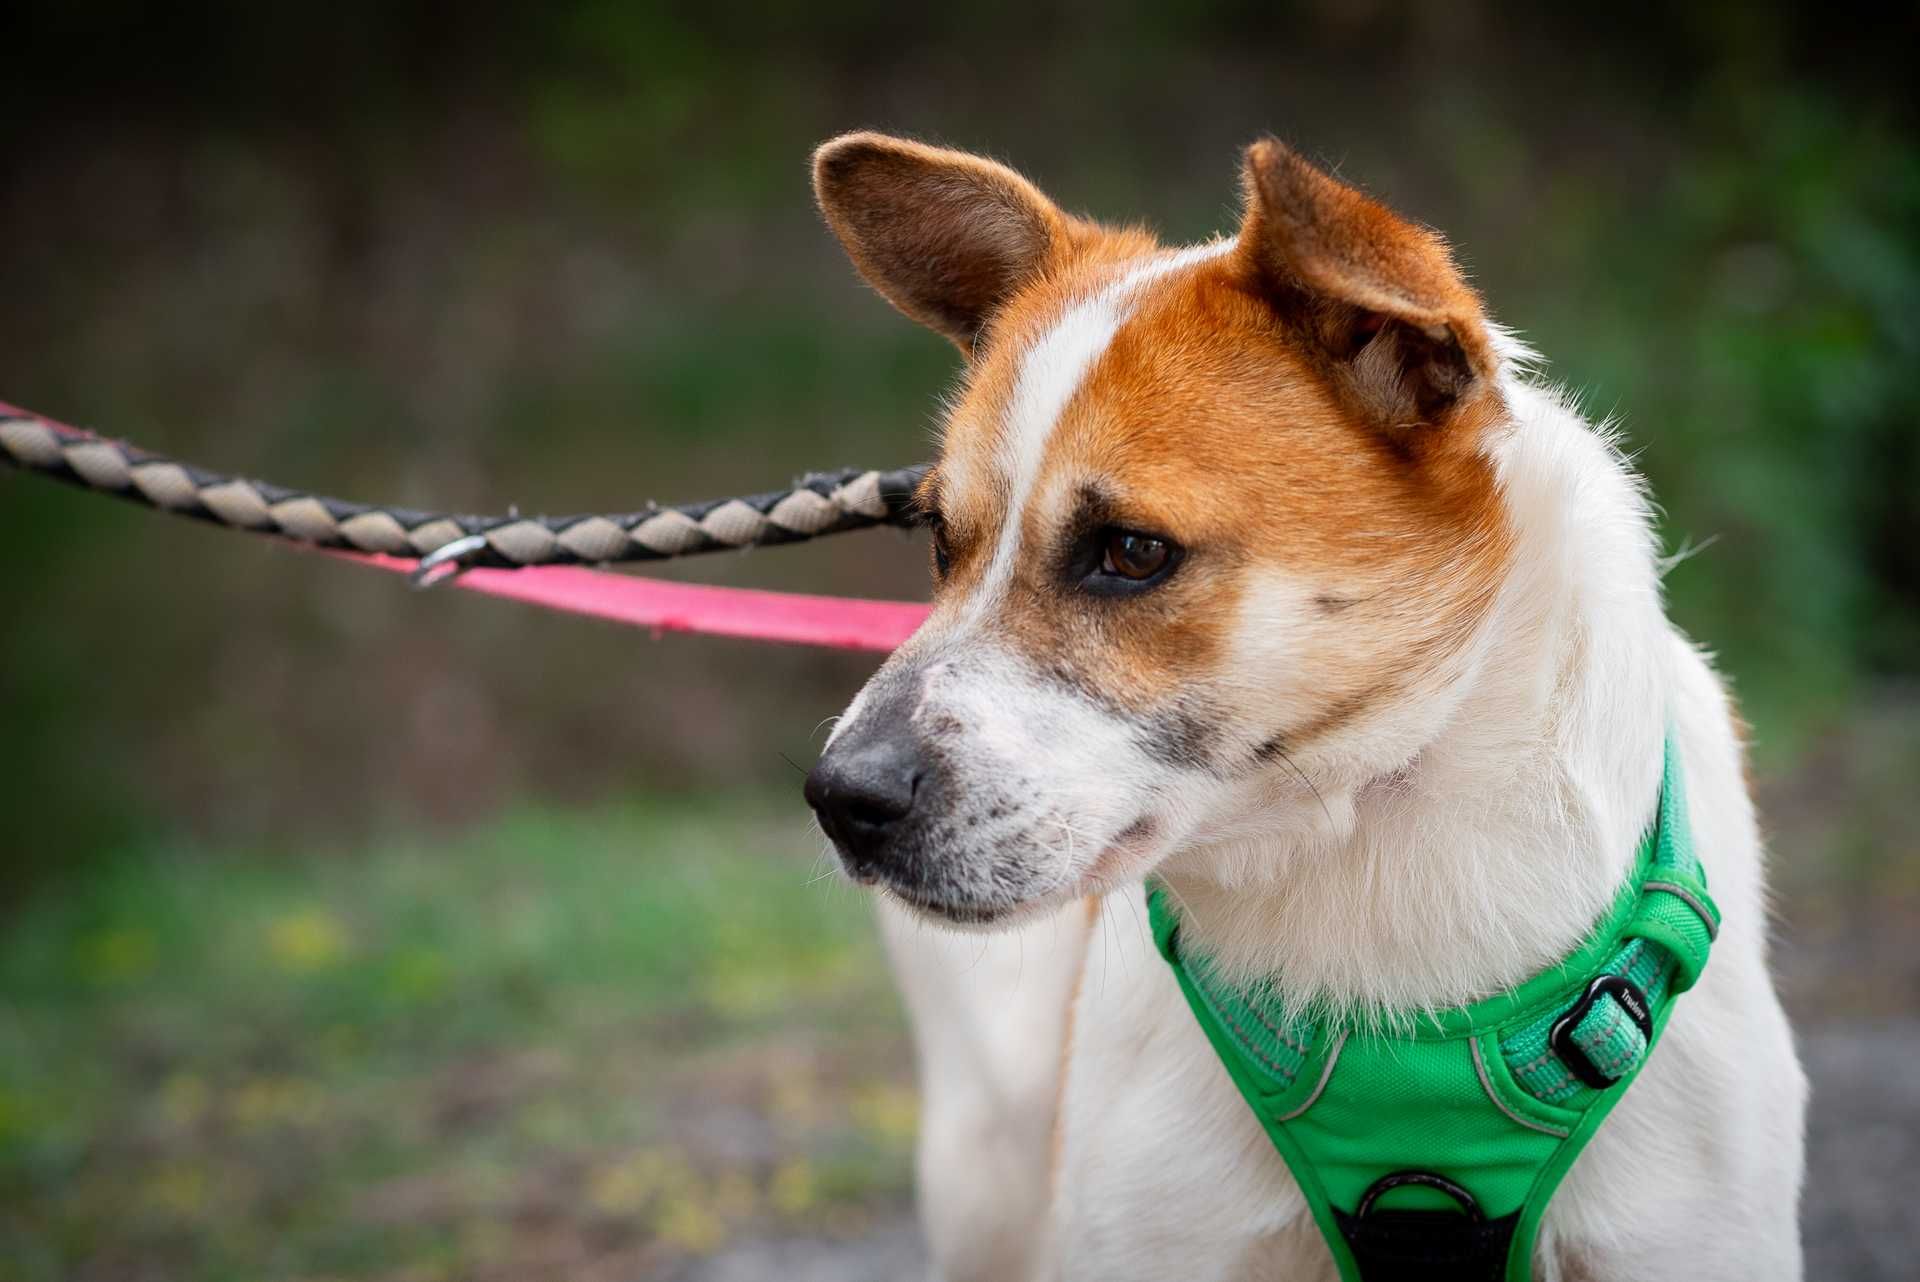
{"x": 1134, "y": 909}
{"x": 1294, "y": 766}
{"x": 1186, "y": 909}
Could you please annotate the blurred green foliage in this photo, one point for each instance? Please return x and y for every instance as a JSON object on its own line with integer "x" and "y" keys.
{"x": 1761, "y": 345}
{"x": 563, "y": 255}
{"x": 613, "y": 1038}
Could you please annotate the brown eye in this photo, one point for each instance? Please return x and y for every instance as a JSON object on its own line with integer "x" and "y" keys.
{"x": 1135, "y": 556}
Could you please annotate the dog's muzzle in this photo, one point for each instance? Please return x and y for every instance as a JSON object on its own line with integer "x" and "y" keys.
{"x": 915, "y": 800}
{"x": 864, "y": 790}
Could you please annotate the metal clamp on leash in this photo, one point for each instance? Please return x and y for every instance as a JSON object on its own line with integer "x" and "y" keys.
{"x": 448, "y": 561}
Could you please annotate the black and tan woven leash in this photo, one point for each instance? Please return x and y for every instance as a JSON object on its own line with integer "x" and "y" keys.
{"x": 817, "y": 504}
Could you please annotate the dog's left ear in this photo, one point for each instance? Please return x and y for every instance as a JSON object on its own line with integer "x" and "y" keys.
{"x": 1404, "y": 332}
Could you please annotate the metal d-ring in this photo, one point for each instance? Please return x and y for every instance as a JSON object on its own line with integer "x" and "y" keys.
{"x": 445, "y": 562}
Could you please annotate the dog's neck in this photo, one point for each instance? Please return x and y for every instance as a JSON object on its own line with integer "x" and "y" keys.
{"x": 1492, "y": 852}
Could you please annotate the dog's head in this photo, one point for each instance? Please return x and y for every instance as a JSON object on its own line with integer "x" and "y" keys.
{"x": 1213, "y": 528}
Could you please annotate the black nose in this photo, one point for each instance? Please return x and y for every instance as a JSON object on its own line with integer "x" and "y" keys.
{"x": 863, "y": 790}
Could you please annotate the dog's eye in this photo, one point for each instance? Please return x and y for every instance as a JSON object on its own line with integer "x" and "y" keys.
{"x": 1128, "y": 555}
{"x": 942, "y": 551}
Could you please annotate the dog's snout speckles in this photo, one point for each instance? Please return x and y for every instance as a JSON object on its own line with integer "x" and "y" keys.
{"x": 991, "y": 824}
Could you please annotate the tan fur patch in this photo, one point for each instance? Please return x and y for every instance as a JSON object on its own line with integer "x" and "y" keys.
{"x": 1210, "y": 420}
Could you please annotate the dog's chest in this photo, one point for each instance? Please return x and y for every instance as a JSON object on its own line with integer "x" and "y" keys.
{"x": 1163, "y": 1171}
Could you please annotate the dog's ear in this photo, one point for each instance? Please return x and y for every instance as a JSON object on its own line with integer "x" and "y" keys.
{"x": 944, "y": 236}
{"x": 1381, "y": 295}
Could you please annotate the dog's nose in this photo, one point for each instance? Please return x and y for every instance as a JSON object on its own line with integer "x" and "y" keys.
{"x": 862, "y": 791}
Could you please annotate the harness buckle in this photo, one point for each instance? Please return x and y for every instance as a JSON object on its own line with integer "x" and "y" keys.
{"x": 1627, "y": 995}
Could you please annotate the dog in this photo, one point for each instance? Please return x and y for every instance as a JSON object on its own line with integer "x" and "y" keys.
{"x": 1271, "y": 569}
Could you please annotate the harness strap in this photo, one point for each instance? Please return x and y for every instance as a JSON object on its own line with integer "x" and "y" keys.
{"x": 1566, "y": 1056}
{"x": 1433, "y": 1153}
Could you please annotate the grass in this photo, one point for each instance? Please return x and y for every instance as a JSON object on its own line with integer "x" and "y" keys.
{"x": 560, "y": 1043}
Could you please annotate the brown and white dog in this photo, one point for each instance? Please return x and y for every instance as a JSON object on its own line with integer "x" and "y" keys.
{"x": 1266, "y": 566}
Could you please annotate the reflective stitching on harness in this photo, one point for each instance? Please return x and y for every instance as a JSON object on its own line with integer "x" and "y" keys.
{"x": 1563, "y": 1081}
{"x": 1486, "y": 1084}
{"x": 1626, "y": 1054}
{"x": 1278, "y": 1072}
{"x": 1692, "y": 901}
{"x": 1538, "y": 1061}
{"x": 1564, "y": 1087}
{"x": 1282, "y": 1036}
{"x": 1333, "y": 1057}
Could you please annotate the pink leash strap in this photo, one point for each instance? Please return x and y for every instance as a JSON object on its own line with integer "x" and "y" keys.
{"x": 840, "y": 623}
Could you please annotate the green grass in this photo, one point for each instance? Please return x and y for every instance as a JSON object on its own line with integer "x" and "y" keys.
{"x": 623, "y": 1037}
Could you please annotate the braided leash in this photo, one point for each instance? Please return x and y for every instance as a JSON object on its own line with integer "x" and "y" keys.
{"x": 820, "y": 503}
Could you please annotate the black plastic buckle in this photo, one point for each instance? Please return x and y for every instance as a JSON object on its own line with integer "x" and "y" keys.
{"x": 1560, "y": 1038}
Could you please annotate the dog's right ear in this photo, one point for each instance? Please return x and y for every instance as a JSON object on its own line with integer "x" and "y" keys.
{"x": 944, "y": 236}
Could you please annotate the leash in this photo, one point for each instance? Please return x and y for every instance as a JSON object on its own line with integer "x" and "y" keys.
{"x": 539, "y": 560}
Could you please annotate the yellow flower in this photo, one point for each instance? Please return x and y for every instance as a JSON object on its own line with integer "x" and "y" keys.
{"x": 307, "y": 940}
{"x": 794, "y": 1190}
{"x": 688, "y": 1223}
{"x": 886, "y": 1111}
{"x": 624, "y": 1187}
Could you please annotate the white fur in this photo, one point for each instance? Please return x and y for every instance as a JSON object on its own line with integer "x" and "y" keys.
{"x": 1524, "y": 772}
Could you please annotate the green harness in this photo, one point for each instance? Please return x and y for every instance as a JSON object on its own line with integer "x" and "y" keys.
{"x": 1431, "y": 1154}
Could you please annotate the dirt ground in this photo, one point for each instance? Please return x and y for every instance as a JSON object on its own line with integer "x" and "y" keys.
{"x": 1863, "y": 1147}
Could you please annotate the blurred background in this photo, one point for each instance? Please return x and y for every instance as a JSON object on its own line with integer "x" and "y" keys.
{"x": 350, "y": 933}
